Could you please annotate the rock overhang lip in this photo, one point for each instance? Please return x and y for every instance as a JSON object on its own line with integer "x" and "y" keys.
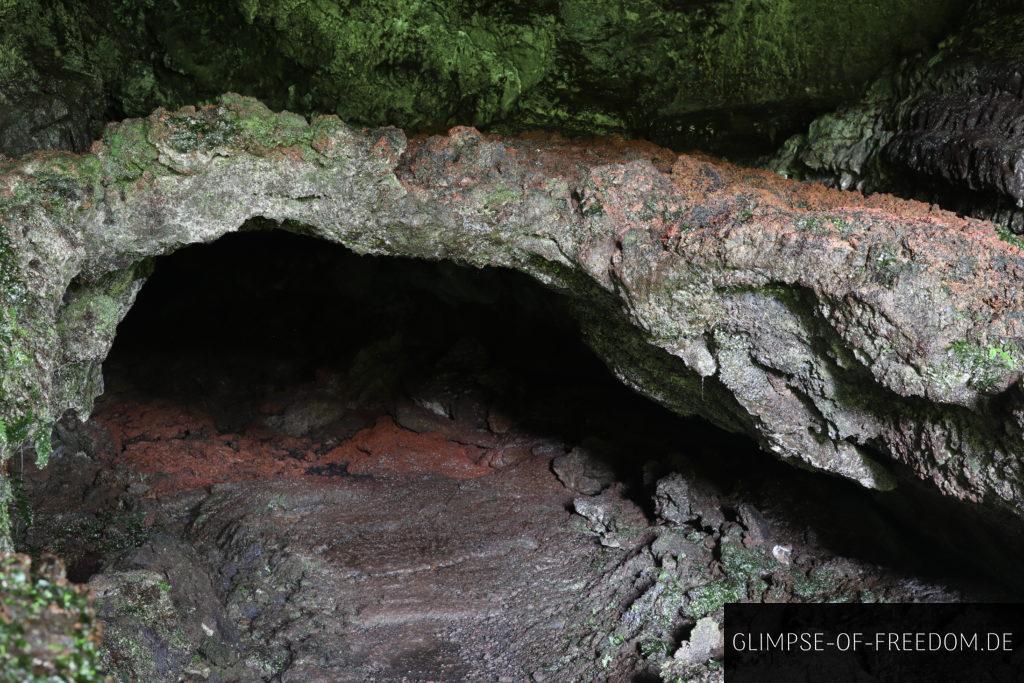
{"x": 886, "y": 297}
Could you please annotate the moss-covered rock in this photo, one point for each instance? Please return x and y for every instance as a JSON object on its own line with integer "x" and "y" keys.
{"x": 700, "y": 73}
{"x": 48, "y": 630}
{"x": 944, "y": 127}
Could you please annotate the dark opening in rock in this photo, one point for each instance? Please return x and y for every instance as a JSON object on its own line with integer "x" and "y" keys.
{"x": 312, "y": 465}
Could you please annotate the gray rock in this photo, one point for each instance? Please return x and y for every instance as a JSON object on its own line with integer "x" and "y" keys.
{"x": 416, "y": 418}
{"x": 706, "y": 642}
{"x": 305, "y": 416}
{"x": 674, "y": 543}
{"x": 683, "y": 499}
{"x": 946, "y": 127}
{"x": 598, "y": 512}
{"x": 672, "y": 500}
{"x": 830, "y": 327}
{"x": 604, "y": 515}
{"x": 582, "y": 472}
{"x": 783, "y": 554}
{"x": 754, "y": 524}
{"x": 61, "y": 111}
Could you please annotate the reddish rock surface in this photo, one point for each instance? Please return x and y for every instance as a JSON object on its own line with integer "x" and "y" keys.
{"x": 181, "y": 449}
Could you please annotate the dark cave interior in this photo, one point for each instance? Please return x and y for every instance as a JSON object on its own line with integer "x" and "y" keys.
{"x": 241, "y": 327}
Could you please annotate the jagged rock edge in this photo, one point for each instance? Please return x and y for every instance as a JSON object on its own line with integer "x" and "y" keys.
{"x": 89, "y": 225}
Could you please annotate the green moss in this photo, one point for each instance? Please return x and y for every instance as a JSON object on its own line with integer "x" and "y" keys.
{"x": 203, "y": 132}
{"x": 679, "y": 72}
{"x": 148, "y": 624}
{"x": 710, "y": 598}
{"x": 744, "y": 563}
{"x": 655, "y": 649}
{"x": 264, "y": 129}
{"x": 500, "y": 197}
{"x": 19, "y": 422}
{"x": 885, "y": 266}
{"x": 47, "y": 628}
{"x": 110, "y": 532}
{"x": 986, "y": 363}
{"x": 813, "y": 224}
{"x": 129, "y": 151}
{"x": 743, "y": 568}
{"x": 1009, "y": 237}
{"x": 819, "y": 584}
{"x": 90, "y": 312}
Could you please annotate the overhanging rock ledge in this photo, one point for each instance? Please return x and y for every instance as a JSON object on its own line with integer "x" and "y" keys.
{"x": 867, "y": 337}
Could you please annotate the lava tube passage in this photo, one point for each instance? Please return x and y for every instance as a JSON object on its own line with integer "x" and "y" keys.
{"x": 554, "y": 342}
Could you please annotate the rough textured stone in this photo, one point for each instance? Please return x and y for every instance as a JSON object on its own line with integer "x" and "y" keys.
{"x": 582, "y": 472}
{"x": 946, "y": 127}
{"x": 672, "y": 500}
{"x": 706, "y": 641}
{"x": 257, "y": 555}
{"x": 66, "y": 117}
{"x": 862, "y": 337}
{"x": 695, "y": 73}
{"x": 48, "y": 630}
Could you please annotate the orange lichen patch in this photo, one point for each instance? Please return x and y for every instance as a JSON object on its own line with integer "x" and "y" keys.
{"x": 699, "y": 175}
{"x": 179, "y": 449}
{"x": 195, "y": 464}
{"x": 293, "y": 153}
{"x": 386, "y": 448}
{"x": 548, "y": 154}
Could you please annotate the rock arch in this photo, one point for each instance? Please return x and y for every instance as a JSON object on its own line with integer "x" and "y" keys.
{"x": 863, "y": 337}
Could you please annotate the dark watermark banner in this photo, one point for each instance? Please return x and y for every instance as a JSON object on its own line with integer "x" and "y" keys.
{"x": 874, "y": 642}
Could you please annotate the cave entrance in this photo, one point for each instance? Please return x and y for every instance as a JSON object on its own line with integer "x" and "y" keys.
{"x": 313, "y": 465}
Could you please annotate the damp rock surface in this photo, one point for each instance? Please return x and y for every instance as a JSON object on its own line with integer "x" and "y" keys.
{"x": 872, "y": 338}
{"x": 49, "y": 627}
{"x": 735, "y": 72}
{"x": 223, "y": 545}
{"x": 945, "y": 126}
{"x": 338, "y": 576}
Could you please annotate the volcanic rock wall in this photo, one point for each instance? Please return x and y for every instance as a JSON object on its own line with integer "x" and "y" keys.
{"x": 691, "y": 73}
{"x": 946, "y": 126}
{"x": 869, "y": 338}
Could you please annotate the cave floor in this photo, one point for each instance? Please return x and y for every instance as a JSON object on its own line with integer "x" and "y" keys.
{"x": 312, "y": 466}
{"x": 316, "y": 543}
{"x": 315, "y": 534}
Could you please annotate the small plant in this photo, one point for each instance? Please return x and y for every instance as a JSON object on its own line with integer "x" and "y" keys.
{"x": 205, "y": 131}
{"x": 841, "y": 225}
{"x": 655, "y": 648}
{"x": 1011, "y": 238}
{"x": 813, "y": 225}
{"x": 47, "y": 627}
{"x": 886, "y": 266}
